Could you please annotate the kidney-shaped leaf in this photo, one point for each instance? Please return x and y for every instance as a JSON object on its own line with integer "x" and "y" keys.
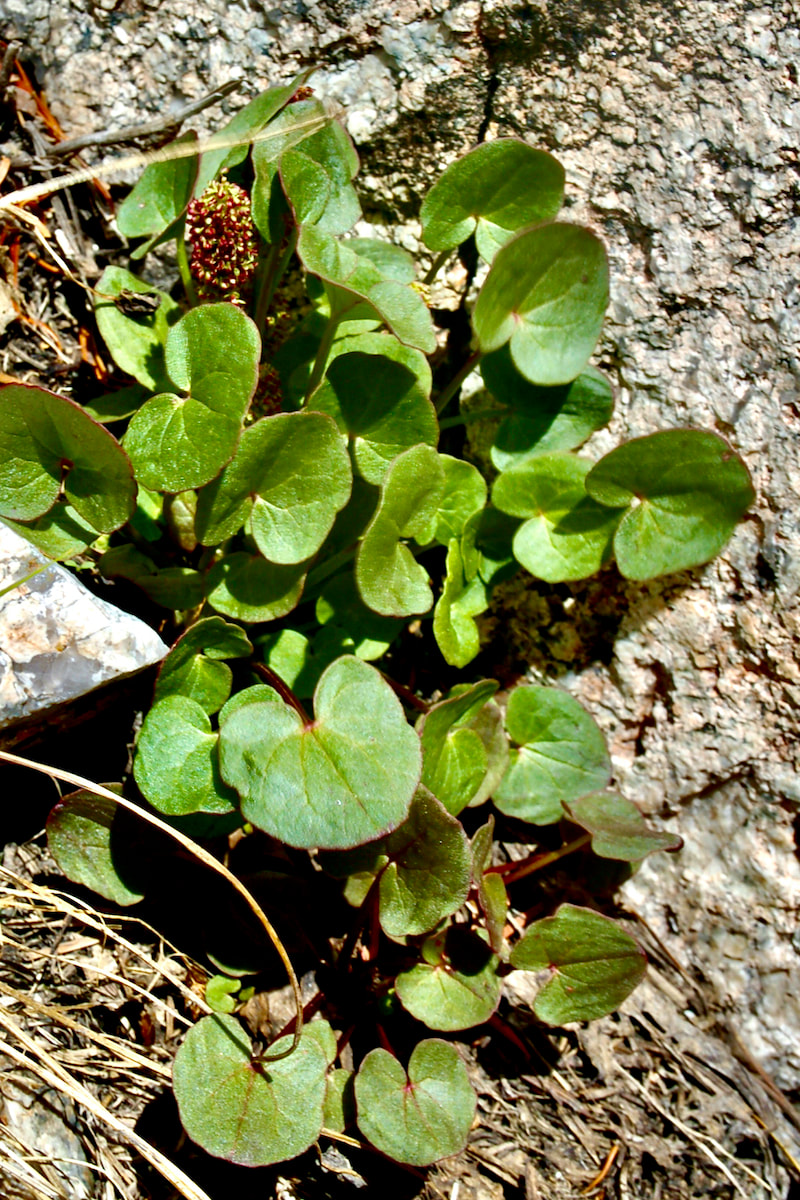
{"x": 182, "y": 441}
{"x": 248, "y": 1112}
{"x": 686, "y": 490}
{"x": 543, "y": 419}
{"x": 346, "y": 778}
{"x": 421, "y": 1116}
{"x": 390, "y": 580}
{"x": 568, "y": 534}
{"x": 593, "y": 964}
{"x": 378, "y": 392}
{"x": 80, "y": 837}
{"x": 617, "y": 827}
{"x": 493, "y": 191}
{"x": 48, "y": 443}
{"x": 456, "y": 986}
{"x": 545, "y": 294}
{"x": 194, "y": 666}
{"x": 290, "y": 476}
{"x": 561, "y": 755}
{"x": 176, "y": 760}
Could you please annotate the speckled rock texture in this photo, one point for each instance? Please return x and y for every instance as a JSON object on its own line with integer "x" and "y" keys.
{"x": 679, "y": 128}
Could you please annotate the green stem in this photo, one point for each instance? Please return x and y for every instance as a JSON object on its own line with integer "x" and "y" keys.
{"x": 276, "y": 262}
{"x": 447, "y": 393}
{"x": 318, "y": 370}
{"x": 324, "y": 569}
{"x": 512, "y": 872}
{"x": 436, "y": 266}
{"x": 4, "y": 591}
{"x": 183, "y": 267}
{"x": 481, "y": 414}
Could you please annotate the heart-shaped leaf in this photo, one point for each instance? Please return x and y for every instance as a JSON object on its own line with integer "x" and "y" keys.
{"x": 685, "y": 489}
{"x": 182, "y": 441}
{"x": 378, "y": 392}
{"x": 569, "y": 535}
{"x": 389, "y": 579}
{"x": 290, "y": 477}
{"x": 248, "y": 588}
{"x": 496, "y": 189}
{"x": 464, "y": 495}
{"x": 248, "y": 1112}
{"x": 456, "y": 986}
{"x": 561, "y": 755}
{"x": 543, "y": 419}
{"x": 454, "y": 759}
{"x": 136, "y": 343}
{"x": 545, "y": 294}
{"x": 419, "y": 1117}
{"x": 592, "y": 964}
{"x": 194, "y": 666}
{"x": 346, "y": 778}
{"x": 80, "y": 837}
{"x": 454, "y": 627}
{"x": 156, "y": 205}
{"x": 617, "y": 827}
{"x": 176, "y": 760}
{"x": 48, "y": 443}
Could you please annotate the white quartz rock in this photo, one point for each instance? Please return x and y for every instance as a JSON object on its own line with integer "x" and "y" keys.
{"x": 57, "y": 640}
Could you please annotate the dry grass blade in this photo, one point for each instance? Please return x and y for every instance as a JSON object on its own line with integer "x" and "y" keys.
{"x": 202, "y": 856}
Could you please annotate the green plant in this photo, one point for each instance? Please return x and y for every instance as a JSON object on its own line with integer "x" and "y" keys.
{"x": 278, "y": 468}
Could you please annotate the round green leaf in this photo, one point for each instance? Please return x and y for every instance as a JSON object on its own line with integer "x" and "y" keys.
{"x": 291, "y": 476}
{"x": 493, "y": 191}
{"x": 419, "y": 1117}
{"x": 617, "y": 827}
{"x": 456, "y": 986}
{"x": 248, "y": 588}
{"x": 569, "y": 535}
{"x": 193, "y": 667}
{"x": 543, "y": 419}
{"x": 182, "y": 441}
{"x": 248, "y": 1112}
{"x": 561, "y": 755}
{"x": 593, "y": 964}
{"x": 346, "y": 778}
{"x": 378, "y": 392}
{"x": 389, "y": 579}
{"x": 545, "y": 294}
{"x": 80, "y": 837}
{"x": 136, "y": 343}
{"x": 454, "y": 759}
{"x": 686, "y": 490}
{"x": 176, "y": 760}
{"x": 48, "y": 443}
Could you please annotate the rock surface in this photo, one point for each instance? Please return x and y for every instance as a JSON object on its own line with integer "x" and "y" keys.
{"x": 678, "y": 127}
{"x": 57, "y": 641}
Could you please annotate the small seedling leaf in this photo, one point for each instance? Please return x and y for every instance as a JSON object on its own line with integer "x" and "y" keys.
{"x": 418, "y": 1117}
{"x": 545, "y": 294}
{"x": 617, "y": 827}
{"x": 592, "y": 964}
{"x": 48, "y": 445}
{"x": 346, "y": 778}
{"x": 236, "y": 1108}
{"x": 560, "y": 755}
{"x": 456, "y": 986}
{"x": 685, "y": 489}
{"x": 496, "y": 189}
{"x": 568, "y": 535}
{"x": 194, "y": 666}
{"x": 181, "y": 441}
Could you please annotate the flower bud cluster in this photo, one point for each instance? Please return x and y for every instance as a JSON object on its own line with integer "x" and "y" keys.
{"x": 219, "y": 226}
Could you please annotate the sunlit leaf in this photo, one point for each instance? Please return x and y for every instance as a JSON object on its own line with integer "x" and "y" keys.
{"x": 176, "y": 760}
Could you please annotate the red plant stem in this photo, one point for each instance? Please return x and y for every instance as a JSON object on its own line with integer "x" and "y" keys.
{"x": 284, "y": 691}
{"x": 514, "y": 871}
{"x": 406, "y": 694}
